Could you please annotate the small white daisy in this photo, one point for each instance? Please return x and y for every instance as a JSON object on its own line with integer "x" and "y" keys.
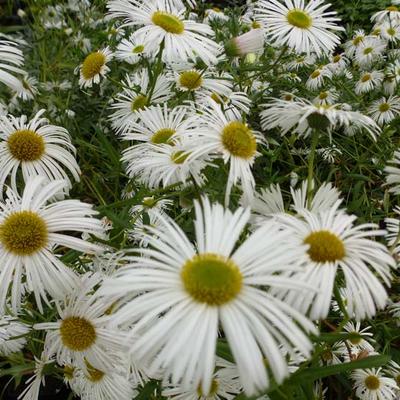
{"x": 370, "y": 384}
{"x": 12, "y": 335}
{"x": 389, "y": 14}
{"x": 326, "y": 97}
{"x": 301, "y": 61}
{"x": 132, "y": 50}
{"x": 391, "y": 32}
{"x": 360, "y": 338}
{"x": 317, "y": 78}
{"x": 28, "y": 89}
{"x": 94, "y": 67}
{"x": 369, "y": 51}
{"x": 385, "y": 110}
{"x": 356, "y": 41}
{"x": 337, "y": 64}
{"x": 368, "y": 81}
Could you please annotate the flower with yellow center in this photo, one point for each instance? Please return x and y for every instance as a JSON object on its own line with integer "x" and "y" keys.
{"x": 385, "y": 110}
{"x": 94, "y": 67}
{"x": 334, "y": 243}
{"x": 200, "y": 289}
{"x": 370, "y": 383}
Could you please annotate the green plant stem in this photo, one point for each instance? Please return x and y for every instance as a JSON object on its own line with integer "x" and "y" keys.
{"x": 311, "y": 159}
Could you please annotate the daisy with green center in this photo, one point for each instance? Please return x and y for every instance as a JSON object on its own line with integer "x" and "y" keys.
{"x": 338, "y": 63}
{"x": 12, "y": 335}
{"x": 326, "y": 97}
{"x": 235, "y": 100}
{"x": 368, "y": 81}
{"x": 391, "y": 32}
{"x": 184, "y": 293}
{"x": 161, "y": 21}
{"x": 392, "y": 171}
{"x": 390, "y": 14}
{"x": 370, "y": 51}
{"x": 360, "y": 339}
{"x": 31, "y": 228}
{"x": 82, "y": 336}
{"x": 304, "y": 27}
{"x": 28, "y": 89}
{"x": 35, "y": 147}
{"x": 132, "y": 49}
{"x": 385, "y": 110}
{"x": 301, "y": 61}
{"x": 356, "y": 41}
{"x": 94, "y": 67}
{"x": 317, "y": 78}
{"x": 371, "y": 384}
{"x": 136, "y": 96}
{"x": 335, "y": 243}
{"x": 11, "y": 61}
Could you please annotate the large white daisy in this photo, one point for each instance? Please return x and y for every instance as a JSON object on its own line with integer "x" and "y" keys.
{"x": 11, "y": 59}
{"x": 181, "y": 293}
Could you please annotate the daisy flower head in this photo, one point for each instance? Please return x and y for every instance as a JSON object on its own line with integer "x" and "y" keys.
{"x": 135, "y": 96}
{"x": 368, "y": 81}
{"x": 371, "y": 384}
{"x": 326, "y": 97}
{"x": 32, "y": 226}
{"x": 369, "y": 51}
{"x": 185, "y": 292}
{"x": 389, "y": 14}
{"x": 132, "y": 49}
{"x": 360, "y": 339}
{"x": 393, "y": 173}
{"x": 12, "y": 335}
{"x": 11, "y": 61}
{"x": 94, "y": 67}
{"x": 391, "y": 32}
{"x": 166, "y": 30}
{"x": 304, "y": 27}
{"x": 393, "y": 370}
{"x": 356, "y": 41}
{"x": 301, "y": 61}
{"x": 338, "y": 63}
{"x": 82, "y": 336}
{"x": 385, "y": 110}
{"x": 317, "y": 77}
{"x": 36, "y": 148}
{"x": 335, "y": 243}
{"x": 28, "y": 89}
{"x": 234, "y": 100}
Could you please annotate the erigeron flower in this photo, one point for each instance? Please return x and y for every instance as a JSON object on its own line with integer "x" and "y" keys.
{"x": 136, "y": 96}
{"x": 12, "y": 335}
{"x": 359, "y": 338}
{"x": 31, "y": 229}
{"x": 369, "y": 51}
{"x": 356, "y": 41}
{"x": 165, "y": 28}
{"x": 249, "y": 42}
{"x": 226, "y": 135}
{"x": 35, "y": 147}
{"x": 306, "y": 28}
{"x": 94, "y": 67}
{"x": 335, "y": 243}
{"x": 368, "y": 81}
{"x": 326, "y": 97}
{"x": 82, "y": 336}
{"x": 389, "y": 14}
{"x": 316, "y": 78}
{"x": 391, "y": 32}
{"x": 330, "y": 154}
{"x": 385, "y": 110}
{"x": 393, "y": 173}
{"x": 132, "y": 49}
{"x": 11, "y": 61}
{"x": 183, "y": 294}
{"x": 371, "y": 384}
{"x": 215, "y": 14}
{"x": 393, "y": 370}
{"x": 225, "y": 385}
{"x": 235, "y": 100}
{"x": 337, "y": 64}
{"x": 301, "y": 61}
{"x": 28, "y": 89}
{"x": 331, "y": 355}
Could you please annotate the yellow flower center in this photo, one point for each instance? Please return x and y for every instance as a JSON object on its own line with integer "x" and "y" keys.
{"x": 23, "y": 233}
{"x": 179, "y": 157}
{"x": 391, "y": 31}
{"x": 169, "y": 22}
{"x": 366, "y": 78}
{"x": 77, "y": 333}
{"x": 315, "y": 74}
{"x": 384, "y": 107}
{"x": 325, "y": 247}
{"x": 190, "y": 80}
{"x": 138, "y": 49}
{"x": 392, "y": 8}
{"x": 68, "y": 372}
{"x": 212, "y": 392}
{"x": 355, "y": 338}
{"x": 26, "y": 145}
{"x": 323, "y": 95}
{"x": 357, "y": 40}
{"x": 139, "y": 103}
{"x": 372, "y": 382}
{"x": 255, "y": 25}
{"x": 368, "y": 50}
{"x": 212, "y": 279}
{"x": 93, "y": 64}
{"x": 94, "y": 374}
{"x": 397, "y": 379}
{"x": 376, "y": 32}
{"x": 299, "y": 19}
{"x": 337, "y": 58}
{"x": 239, "y": 140}
{"x": 162, "y": 136}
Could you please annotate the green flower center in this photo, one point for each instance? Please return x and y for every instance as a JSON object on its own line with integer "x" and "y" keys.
{"x": 138, "y": 49}
{"x": 212, "y": 279}
{"x": 162, "y": 136}
{"x": 212, "y": 392}
{"x": 392, "y": 8}
{"x": 77, "y": 333}
{"x": 93, "y": 64}
{"x": 368, "y": 50}
{"x": 323, "y": 95}
{"x": 179, "y": 157}
{"x": 26, "y": 145}
{"x": 94, "y": 374}
{"x": 357, "y": 40}
{"x": 336, "y": 59}
{"x": 139, "y": 103}
{"x": 366, "y": 78}
{"x": 372, "y": 382}
{"x": 299, "y": 19}
{"x": 23, "y": 233}
{"x": 315, "y": 74}
{"x": 391, "y": 31}
{"x": 355, "y": 338}
{"x": 325, "y": 247}
{"x": 238, "y": 139}
{"x": 190, "y": 80}
{"x": 169, "y": 22}
{"x": 384, "y": 107}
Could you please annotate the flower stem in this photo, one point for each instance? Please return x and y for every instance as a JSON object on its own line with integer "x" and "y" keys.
{"x": 311, "y": 159}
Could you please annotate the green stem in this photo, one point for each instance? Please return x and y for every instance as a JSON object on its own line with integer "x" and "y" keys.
{"x": 311, "y": 159}
{"x": 157, "y": 70}
{"x": 341, "y": 305}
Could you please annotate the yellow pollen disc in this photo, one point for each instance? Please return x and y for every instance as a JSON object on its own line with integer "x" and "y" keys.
{"x": 212, "y": 279}
{"x": 255, "y": 25}
{"x": 26, "y": 145}
{"x": 366, "y": 78}
{"x": 77, "y": 333}
{"x": 355, "y": 338}
{"x": 368, "y": 50}
{"x": 397, "y": 379}
{"x": 169, "y": 22}
{"x": 315, "y": 74}
{"x": 239, "y": 140}
{"x": 190, "y": 80}
{"x": 376, "y": 32}
{"x": 327, "y": 355}
{"x": 162, "y": 136}
{"x": 336, "y": 59}
{"x": 138, "y": 49}
{"x": 139, "y": 103}
{"x": 357, "y": 40}
{"x": 392, "y": 8}
{"x": 212, "y": 392}
{"x": 288, "y": 97}
{"x": 325, "y": 247}
{"x": 384, "y": 107}
{"x": 179, "y": 157}
{"x": 68, "y": 372}
{"x": 391, "y": 31}
{"x": 23, "y": 233}
{"x": 372, "y": 382}
{"x": 94, "y": 374}
{"x": 323, "y": 95}
{"x": 299, "y": 19}
{"x": 93, "y": 64}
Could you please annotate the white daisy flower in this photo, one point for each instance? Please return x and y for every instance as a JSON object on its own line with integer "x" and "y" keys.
{"x": 391, "y": 32}
{"x": 225, "y": 385}
{"x": 28, "y": 89}
{"x": 385, "y": 110}
{"x": 393, "y": 370}
{"x": 11, "y": 59}
{"x": 132, "y": 50}
{"x": 316, "y": 78}
{"x": 215, "y": 14}
{"x": 389, "y": 84}
{"x": 389, "y": 14}
{"x": 35, "y": 147}
{"x": 12, "y": 334}
{"x": 335, "y": 243}
{"x": 360, "y": 338}
{"x": 338, "y": 63}
{"x": 368, "y": 81}
{"x": 235, "y": 100}
{"x": 163, "y": 22}
{"x": 135, "y": 96}
{"x": 249, "y": 42}
{"x": 301, "y": 61}
{"x": 326, "y": 97}
{"x": 330, "y": 154}
{"x": 30, "y": 231}
{"x": 183, "y": 292}
{"x": 82, "y": 336}
{"x": 356, "y": 41}
{"x": 369, "y": 51}
{"x": 332, "y": 354}
{"x": 393, "y": 173}
{"x": 304, "y": 28}
{"x": 94, "y": 67}
{"x": 370, "y": 384}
